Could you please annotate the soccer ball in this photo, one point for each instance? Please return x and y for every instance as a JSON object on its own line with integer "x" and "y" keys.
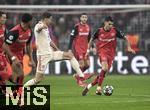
{"x": 108, "y": 90}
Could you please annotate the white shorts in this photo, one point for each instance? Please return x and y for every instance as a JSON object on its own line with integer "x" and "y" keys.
{"x": 44, "y": 59}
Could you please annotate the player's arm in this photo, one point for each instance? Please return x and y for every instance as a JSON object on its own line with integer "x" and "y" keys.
{"x": 89, "y": 36}
{"x": 40, "y": 27}
{"x": 121, "y": 35}
{"x": 54, "y": 46}
{"x": 73, "y": 34}
{"x": 29, "y": 51}
{"x": 10, "y": 38}
{"x": 95, "y": 36}
{"x": 6, "y": 32}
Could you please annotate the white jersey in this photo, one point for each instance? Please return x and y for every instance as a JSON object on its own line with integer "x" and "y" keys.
{"x": 43, "y": 40}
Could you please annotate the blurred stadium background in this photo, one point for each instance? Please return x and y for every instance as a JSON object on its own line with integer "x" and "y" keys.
{"x": 131, "y": 16}
{"x": 133, "y": 19}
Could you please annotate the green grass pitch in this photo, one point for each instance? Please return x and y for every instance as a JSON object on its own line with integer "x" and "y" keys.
{"x": 131, "y": 92}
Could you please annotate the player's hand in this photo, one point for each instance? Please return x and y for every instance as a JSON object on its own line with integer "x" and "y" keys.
{"x": 87, "y": 52}
{"x": 44, "y": 26}
{"x": 70, "y": 51}
{"x": 57, "y": 49}
{"x": 16, "y": 62}
{"x": 94, "y": 51}
{"x": 131, "y": 50}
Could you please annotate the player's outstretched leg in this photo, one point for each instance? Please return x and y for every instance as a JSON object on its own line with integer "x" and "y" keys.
{"x": 75, "y": 65}
{"x": 34, "y": 81}
{"x": 84, "y": 65}
{"x": 98, "y": 80}
{"x": 101, "y": 77}
{"x": 86, "y": 89}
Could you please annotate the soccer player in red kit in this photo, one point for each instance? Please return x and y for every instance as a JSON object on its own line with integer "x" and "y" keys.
{"x": 106, "y": 48}
{"x": 16, "y": 42}
{"x": 79, "y": 38}
{"x": 3, "y": 61}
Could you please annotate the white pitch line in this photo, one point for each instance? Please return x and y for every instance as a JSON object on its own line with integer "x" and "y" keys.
{"x": 129, "y": 101}
{"x": 131, "y": 95}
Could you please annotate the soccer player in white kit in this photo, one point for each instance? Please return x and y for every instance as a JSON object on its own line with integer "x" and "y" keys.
{"x": 47, "y": 51}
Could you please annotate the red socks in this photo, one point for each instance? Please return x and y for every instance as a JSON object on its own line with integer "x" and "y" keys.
{"x": 99, "y": 79}
{"x": 84, "y": 68}
{"x": 95, "y": 81}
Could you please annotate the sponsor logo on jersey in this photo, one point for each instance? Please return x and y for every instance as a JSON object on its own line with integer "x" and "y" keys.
{"x": 112, "y": 34}
{"x": 2, "y": 35}
{"x": 83, "y": 33}
{"x": 81, "y": 29}
{"x": 22, "y": 41}
{"x": 102, "y": 35}
{"x": 107, "y": 40}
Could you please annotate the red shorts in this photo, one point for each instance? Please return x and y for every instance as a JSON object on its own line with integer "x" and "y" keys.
{"x": 19, "y": 56}
{"x": 81, "y": 56}
{"x": 108, "y": 59}
{"x": 5, "y": 69}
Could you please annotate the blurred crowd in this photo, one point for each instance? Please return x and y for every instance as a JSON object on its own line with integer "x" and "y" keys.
{"x": 129, "y": 21}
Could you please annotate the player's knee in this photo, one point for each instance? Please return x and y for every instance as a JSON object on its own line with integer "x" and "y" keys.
{"x": 68, "y": 55}
{"x": 105, "y": 68}
{"x": 81, "y": 63}
{"x": 87, "y": 64}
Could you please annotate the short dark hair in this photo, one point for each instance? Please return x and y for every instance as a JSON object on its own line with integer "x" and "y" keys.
{"x": 109, "y": 18}
{"x": 46, "y": 15}
{"x": 26, "y": 17}
{"x": 83, "y": 14}
{"x": 1, "y": 13}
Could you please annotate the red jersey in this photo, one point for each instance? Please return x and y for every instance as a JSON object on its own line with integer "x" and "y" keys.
{"x": 2, "y": 34}
{"x": 80, "y": 36}
{"x": 3, "y": 61}
{"x": 107, "y": 41}
{"x": 17, "y": 38}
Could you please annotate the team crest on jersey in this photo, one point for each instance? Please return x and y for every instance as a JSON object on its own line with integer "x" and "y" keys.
{"x": 88, "y": 29}
{"x": 80, "y": 56}
{"x": 112, "y": 34}
{"x": 20, "y": 36}
{"x": 29, "y": 34}
{"x": 102, "y": 35}
{"x": 81, "y": 29}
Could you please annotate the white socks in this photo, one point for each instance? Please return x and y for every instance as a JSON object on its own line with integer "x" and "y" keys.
{"x": 30, "y": 83}
{"x": 99, "y": 88}
{"x": 89, "y": 86}
{"x": 76, "y": 67}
